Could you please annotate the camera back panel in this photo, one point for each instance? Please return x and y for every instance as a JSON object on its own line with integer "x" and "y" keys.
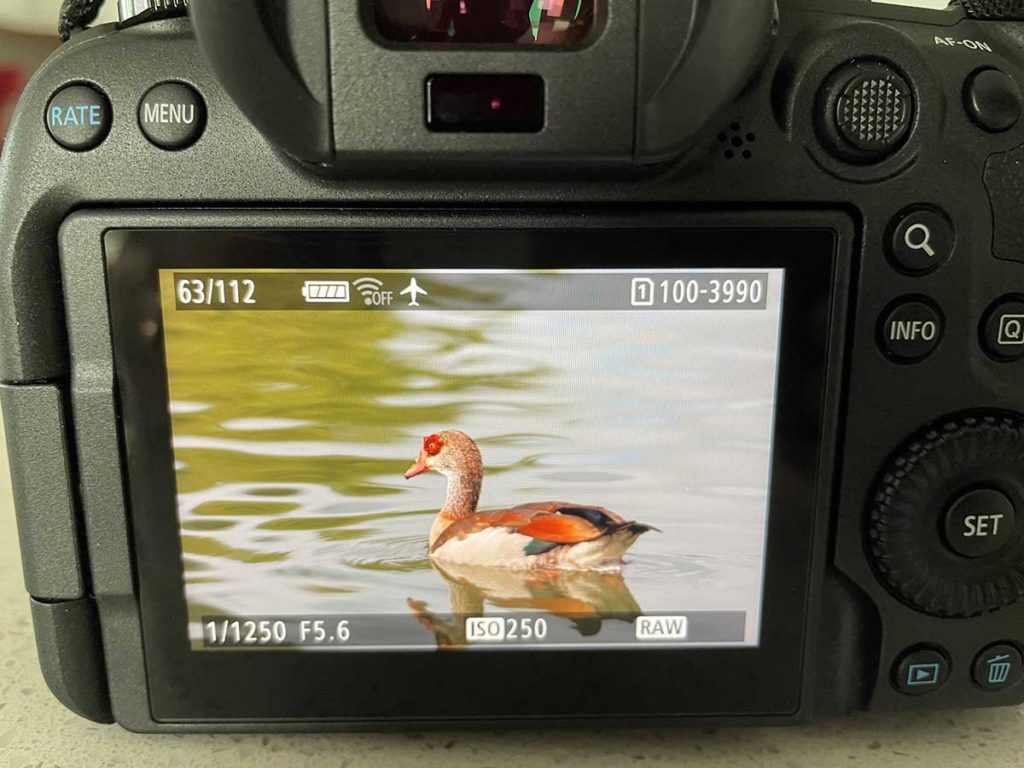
{"x": 920, "y": 188}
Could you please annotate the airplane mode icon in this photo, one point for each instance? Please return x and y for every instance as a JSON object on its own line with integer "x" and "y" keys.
{"x": 413, "y": 291}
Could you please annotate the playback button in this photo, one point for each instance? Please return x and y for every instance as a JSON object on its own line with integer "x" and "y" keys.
{"x": 1002, "y": 330}
{"x": 920, "y": 671}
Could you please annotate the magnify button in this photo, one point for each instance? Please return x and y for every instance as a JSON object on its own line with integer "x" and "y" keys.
{"x": 919, "y": 238}
{"x": 922, "y": 240}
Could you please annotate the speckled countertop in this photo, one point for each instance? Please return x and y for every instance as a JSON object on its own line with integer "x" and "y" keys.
{"x": 36, "y": 732}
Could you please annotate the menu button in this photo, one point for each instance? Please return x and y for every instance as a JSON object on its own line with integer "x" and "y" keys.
{"x": 172, "y": 116}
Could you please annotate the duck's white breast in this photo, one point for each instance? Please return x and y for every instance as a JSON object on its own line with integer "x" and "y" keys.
{"x": 491, "y": 546}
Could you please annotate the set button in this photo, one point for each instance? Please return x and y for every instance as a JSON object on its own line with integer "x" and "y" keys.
{"x": 980, "y": 523}
{"x": 910, "y": 330}
{"x": 79, "y": 117}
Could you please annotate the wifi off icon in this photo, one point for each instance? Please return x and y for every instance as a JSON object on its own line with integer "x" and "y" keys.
{"x": 371, "y": 289}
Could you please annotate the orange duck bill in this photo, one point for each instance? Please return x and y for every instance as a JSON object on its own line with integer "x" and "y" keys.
{"x": 418, "y": 467}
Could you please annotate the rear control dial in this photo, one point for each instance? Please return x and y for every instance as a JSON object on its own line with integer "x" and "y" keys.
{"x": 944, "y": 521}
{"x": 866, "y": 112}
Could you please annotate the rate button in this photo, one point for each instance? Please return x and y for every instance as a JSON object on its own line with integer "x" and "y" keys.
{"x": 78, "y": 117}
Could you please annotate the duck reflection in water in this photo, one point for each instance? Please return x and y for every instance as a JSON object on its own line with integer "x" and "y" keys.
{"x": 586, "y": 599}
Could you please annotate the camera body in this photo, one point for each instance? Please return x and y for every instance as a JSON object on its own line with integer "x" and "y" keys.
{"x": 864, "y": 161}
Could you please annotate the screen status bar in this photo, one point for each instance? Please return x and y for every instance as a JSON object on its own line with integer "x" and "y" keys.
{"x": 351, "y": 290}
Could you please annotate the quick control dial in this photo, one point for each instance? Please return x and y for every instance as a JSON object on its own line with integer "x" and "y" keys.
{"x": 944, "y": 524}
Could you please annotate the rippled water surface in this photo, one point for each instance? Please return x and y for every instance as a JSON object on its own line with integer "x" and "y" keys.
{"x": 292, "y": 431}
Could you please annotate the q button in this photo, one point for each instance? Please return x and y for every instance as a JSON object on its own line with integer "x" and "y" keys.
{"x": 1002, "y": 329}
{"x": 921, "y": 241}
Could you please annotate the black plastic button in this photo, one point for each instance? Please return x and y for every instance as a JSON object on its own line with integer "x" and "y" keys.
{"x": 998, "y": 666}
{"x": 172, "y": 116}
{"x": 79, "y": 117}
{"x": 922, "y": 240}
{"x": 1002, "y": 329}
{"x": 993, "y": 100}
{"x": 911, "y": 330}
{"x": 920, "y": 671}
{"x": 867, "y": 110}
{"x": 485, "y": 103}
{"x": 980, "y": 523}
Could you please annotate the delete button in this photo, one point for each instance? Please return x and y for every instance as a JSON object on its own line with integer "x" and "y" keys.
{"x": 172, "y": 116}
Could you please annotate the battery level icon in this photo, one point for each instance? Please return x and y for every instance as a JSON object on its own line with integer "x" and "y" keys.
{"x": 327, "y": 291}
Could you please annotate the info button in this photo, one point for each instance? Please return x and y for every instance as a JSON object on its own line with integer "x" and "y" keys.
{"x": 910, "y": 330}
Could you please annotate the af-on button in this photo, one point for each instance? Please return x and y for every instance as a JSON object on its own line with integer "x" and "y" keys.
{"x": 172, "y": 116}
{"x": 993, "y": 100}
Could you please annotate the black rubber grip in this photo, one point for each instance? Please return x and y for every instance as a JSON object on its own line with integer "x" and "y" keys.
{"x": 1004, "y": 180}
{"x": 995, "y": 10}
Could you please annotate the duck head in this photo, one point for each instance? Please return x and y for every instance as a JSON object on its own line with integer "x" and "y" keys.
{"x": 451, "y": 453}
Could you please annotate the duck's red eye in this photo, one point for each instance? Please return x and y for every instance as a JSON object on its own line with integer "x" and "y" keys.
{"x": 432, "y": 445}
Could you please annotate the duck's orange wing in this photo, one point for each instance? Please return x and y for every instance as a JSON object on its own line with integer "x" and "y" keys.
{"x": 558, "y": 528}
{"x": 549, "y": 522}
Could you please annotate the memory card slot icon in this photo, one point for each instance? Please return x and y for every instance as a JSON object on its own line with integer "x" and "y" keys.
{"x": 327, "y": 291}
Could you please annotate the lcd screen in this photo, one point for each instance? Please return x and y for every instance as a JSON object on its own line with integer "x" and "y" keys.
{"x": 371, "y": 459}
{"x": 558, "y": 23}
